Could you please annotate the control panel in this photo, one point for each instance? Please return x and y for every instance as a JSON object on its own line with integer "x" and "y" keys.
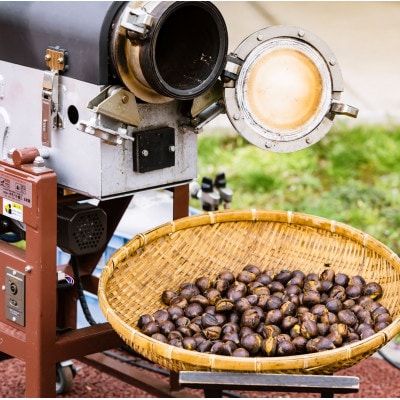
{"x": 15, "y": 296}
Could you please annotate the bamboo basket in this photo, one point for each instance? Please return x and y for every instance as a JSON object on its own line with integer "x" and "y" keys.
{"x": 133, "y": 279}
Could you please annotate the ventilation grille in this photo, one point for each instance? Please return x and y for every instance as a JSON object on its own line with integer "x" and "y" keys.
{"x": 82, "y": 228}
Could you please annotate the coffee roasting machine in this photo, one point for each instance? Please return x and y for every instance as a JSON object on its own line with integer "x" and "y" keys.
{"x": 100, "y": 100}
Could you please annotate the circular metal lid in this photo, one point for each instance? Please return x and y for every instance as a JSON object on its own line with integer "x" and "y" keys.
{"x": 285, "y": 80}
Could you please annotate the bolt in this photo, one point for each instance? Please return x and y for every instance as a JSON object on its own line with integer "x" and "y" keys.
{"x": 38, "y": 162}
{"x": 268, "y": 144}
{"x": 301, "y": 33}
{"x": 145, "y": 153}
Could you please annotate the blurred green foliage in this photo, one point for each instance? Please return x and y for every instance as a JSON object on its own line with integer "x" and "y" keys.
{"x": 350, "y": 176}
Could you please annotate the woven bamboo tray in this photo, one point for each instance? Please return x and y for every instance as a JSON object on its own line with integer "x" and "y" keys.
{"x": 132, "y": 281}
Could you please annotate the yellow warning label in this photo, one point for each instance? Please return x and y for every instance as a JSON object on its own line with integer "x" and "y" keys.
{"x": 13, "y": 210}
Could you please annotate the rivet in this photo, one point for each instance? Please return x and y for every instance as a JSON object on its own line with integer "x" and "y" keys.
{"x": 171, "y": 149}
{"x": 236, "y": 116}
{"x": 332, "y": 62}
{"x": 28, "y": 268}
{"x": 301, "y": 33}
{"x": 47, "y": 57}
{"x": 260, "y": 37}
{"x": 308, "y": 140}
{"x": 145, "y": 153}
{"x": 60, "y": 60}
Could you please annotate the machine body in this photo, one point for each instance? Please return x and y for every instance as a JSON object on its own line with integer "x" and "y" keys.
{"x": 113, "y": 94}
{"x": 62, "y": 90}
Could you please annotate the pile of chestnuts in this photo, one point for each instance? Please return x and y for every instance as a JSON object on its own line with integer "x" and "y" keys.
{"x": 262, "y": 313}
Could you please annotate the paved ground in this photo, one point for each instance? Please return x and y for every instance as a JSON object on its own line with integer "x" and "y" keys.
{"x": 364, "y": 36}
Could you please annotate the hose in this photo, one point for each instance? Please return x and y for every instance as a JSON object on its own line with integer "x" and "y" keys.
{"x": 389, "y": 360}
{"x": 81, "y": 295}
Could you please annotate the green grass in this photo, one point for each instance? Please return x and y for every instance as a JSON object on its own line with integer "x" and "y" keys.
{"x": 352, "y": 176}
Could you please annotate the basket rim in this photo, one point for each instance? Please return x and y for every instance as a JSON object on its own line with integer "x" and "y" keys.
{"x": 254, "y": 215}
{"x": 257, "y": 364}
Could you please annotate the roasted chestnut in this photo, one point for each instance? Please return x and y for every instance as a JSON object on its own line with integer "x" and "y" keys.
{"x": 167, "y": 295}
{"x": 240, "y": 352}
{"x": 373, "y": 290}
{"x": 253, "y": 269}
{"x": 203, "y": 283}
{"x": 251, "y": 342}
{"x": 268, "y": 313}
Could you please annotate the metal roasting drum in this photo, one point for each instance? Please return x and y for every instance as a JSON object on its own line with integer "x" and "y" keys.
{"x": 114, "y": 94}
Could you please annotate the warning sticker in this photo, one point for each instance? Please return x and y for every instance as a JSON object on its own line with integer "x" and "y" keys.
{"x": 13, "y": 210}
{"x": 16, "y": 190}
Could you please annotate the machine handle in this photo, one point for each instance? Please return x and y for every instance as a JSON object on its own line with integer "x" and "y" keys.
{"x": 344, "y": 109}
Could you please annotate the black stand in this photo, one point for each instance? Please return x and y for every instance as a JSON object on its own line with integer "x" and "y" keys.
{"x": 213, "y": 383}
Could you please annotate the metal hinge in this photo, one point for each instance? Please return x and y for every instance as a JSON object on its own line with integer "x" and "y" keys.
{"x": 232, "y": 68}
{"x": 116, "y": 114}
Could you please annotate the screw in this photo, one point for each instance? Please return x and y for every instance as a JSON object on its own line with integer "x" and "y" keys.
{"x": 171, "y": 149}
{"x": 332, "y": 62}
{"x": 301, "y": 33}
{"x": 145, "y": 153}
{"x": 236, "y": 116}
{"x": 268, "y": 144}
{"x": 3, "y": 287}
{"x": 60, "y": 60}
{"x": 125, "y": 99}
{"x": 260, "y": 37}
{"x": 308, "y": 140}
{"x": 47, "y": 57}
{"x": 28, "y": 268}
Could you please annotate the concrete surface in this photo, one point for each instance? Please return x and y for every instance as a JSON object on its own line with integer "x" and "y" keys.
{"x": 364, "y": 36}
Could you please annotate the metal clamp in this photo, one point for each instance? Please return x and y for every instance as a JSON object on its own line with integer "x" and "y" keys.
{"x": 138, "y": 21}
{"x": 56, "y": 60}
{"x": 51, "y": 116}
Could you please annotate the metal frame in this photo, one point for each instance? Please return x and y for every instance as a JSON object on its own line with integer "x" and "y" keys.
{"x": 38, "y": 343}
